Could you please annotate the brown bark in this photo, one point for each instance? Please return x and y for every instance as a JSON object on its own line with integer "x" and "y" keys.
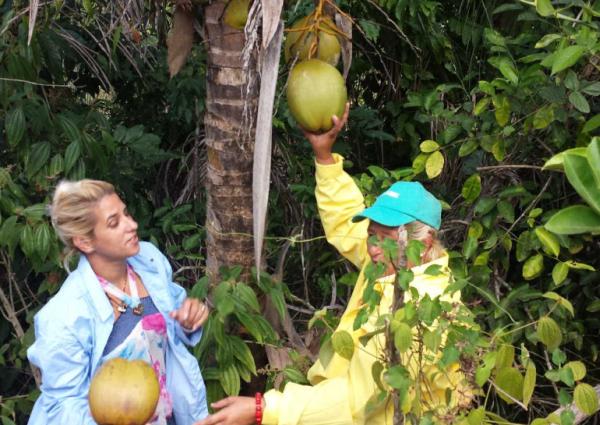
{"x": 230, "y": 100}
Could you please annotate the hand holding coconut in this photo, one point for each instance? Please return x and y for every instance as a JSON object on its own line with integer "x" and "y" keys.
{"x": 322, "y": 144}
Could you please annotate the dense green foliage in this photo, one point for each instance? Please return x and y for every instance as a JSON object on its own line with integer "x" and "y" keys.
{"x": 470, "y": 97}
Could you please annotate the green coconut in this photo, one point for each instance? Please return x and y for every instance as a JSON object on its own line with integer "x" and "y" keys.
{"x": 236, "y": 13}
{"x": 298, "y": 43}
{"x": 316, "y": 91}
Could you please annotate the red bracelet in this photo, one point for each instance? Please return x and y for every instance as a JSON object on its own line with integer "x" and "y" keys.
{"x": 258, "y": 413}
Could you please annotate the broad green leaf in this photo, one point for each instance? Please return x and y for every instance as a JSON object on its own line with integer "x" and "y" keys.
{"x": 403, "y": 337}
{"x": 543, "y": 117}
{"x": 548, "y": 240}
{"x": 582, "y": 179}
{"x": 586, "y": 399}
{"x": 476, "y": 416}
{"x": 561, "y": 301}
{"x": 592, "y": 89}
{"x": 560, "y": 273}
{"x": 556, "y": 163}
{"x": 246, "y": 295}
{"x": 43, "y": 238}
{"x": 529, "y": 383}
{"x": 343, "y": 344}
{"x": 481, "y": 105}
{"x": 502, "y": 105}
{"x": 418, "y": 163}
{"x": 15, "y": 126}
{"x": 579, "y": 266}
{"x": 506, "y": 68}
{"x": 506, "y": 210}
{"x": 574, "y": 220}
{"x": 593, "y": 307}
{"x": 533, "y": 267}
{"x": 468, "y": 147}
{"x": 579, "y": 102}
{"x": 472, "y": 188}
{"x": 547, "y": 40}
{"x": 376, "y": 371}
{"x": 295, "y": 375}
{"x": 510, "y": 382}
{"x": 429, "y": 146}
{"x": 544, "y": 8}
{"x": 566, "y": 58}
{"x": 72, "y": 155}
{"x": 578, "y": 368}
{"x": 230, "y": 380}
{"x": 593, "y": 158}
{"x": 242, "y": 352}
{"x": 549, "y": 333}
{"x": 591, "y": 124}
{"x": 434, "y": 164}
{"x": 505, "y": 356}
{"x": 432, "y": 339}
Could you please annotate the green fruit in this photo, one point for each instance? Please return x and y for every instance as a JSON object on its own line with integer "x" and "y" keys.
{"x": 299, "y": 42}
{"x": 236, "y": 13}
{"x": 316, "y": 91}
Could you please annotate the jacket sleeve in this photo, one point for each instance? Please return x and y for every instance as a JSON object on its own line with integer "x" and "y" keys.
{"x": 64, "y": 363}
{"x": 179, "y": 295}
{"x": 338, "y": 200}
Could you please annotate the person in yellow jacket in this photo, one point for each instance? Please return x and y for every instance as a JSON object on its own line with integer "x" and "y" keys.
{"x": 340, "y": 389}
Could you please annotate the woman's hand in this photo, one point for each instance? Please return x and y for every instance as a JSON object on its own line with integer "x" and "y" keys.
{"x": 232, "y": 411}
{"x": 323, "y": 143}
{"x": 191, "y": 315}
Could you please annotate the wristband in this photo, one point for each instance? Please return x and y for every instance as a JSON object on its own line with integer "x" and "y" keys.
{"x": 258, "y": 413}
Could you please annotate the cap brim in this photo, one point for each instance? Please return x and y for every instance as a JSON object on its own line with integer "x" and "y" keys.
{"x": 384, "y": 216}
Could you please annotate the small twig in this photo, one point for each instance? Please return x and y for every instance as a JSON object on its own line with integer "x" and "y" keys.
{"x": 17, "y": 80}
{"x": 509, "y": 166}
{"x": 530, "y": 206}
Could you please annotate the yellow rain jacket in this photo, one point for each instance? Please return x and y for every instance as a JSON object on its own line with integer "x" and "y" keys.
{"x": 340, "y": 391}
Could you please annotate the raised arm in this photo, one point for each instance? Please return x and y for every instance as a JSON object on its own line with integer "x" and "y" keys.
{"x": 338, "y": 197}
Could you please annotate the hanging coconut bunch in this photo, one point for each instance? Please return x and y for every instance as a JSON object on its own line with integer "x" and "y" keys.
{"x": 313, "y": 37}
{"x": 316, "y": 90}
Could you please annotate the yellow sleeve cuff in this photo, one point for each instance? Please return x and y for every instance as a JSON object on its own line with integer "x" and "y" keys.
{"x": 272, "y": 405}
{"x": 330, "y": 170}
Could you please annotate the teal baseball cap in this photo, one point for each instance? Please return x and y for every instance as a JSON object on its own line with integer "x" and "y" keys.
{"x": 402, "y": 203}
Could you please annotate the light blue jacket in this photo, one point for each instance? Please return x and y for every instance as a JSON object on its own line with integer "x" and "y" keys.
{"x": 72, "y": 329}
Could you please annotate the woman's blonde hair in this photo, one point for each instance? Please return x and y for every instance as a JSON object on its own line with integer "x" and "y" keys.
{"x": 72, "y": 210}
{"x": 419, "y": 231}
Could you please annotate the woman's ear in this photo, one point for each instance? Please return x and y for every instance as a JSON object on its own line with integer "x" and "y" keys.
{"x": 83, "y": 244}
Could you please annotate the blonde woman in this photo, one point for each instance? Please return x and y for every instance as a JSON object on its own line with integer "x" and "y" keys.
{"x": 340, "y": 389}
{"x": 120, "y": 301}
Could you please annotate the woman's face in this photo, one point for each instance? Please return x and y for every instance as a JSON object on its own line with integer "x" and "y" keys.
{"x": 115, "y": 233}
{"x": 376, "y": 252}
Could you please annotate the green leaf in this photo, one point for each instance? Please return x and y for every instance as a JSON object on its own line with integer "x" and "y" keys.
{"x": 592, "y": 89}
{"x": 547, "y": 40}
{"x": 472, "y": 188}
{"x": 414, "y": 250}
{"x": 72, "y": 155}
{"x": 403, "y": 337}
{"x": 481, "y": 105}
{"x": 579, "y": 266}
{"x": 510, "y": 381}
{"x": 434, "y": 164}
{"x": 574, "y": 220}
{"x": 295, "y": 375}
{"x": 591, "y": 124}
{"x": 593, "y": 307}
{"x": 560, "y": 273}
{"x": 544, "y": 8}
{"x": 371, "y": 29}
{"x": 579, "y": 102}
{"x": 582, "y": 179}
{"x": 506, "y": 68}
{"x": 549, "y": 333}
{"x": 343, "y": 344}
{"x": 246, "y": 295}
{"x": 506, "y": 210}
{"x": 561, "y": 301}
{"x": 529, "y": 383}
{"x": 476, "y": 416}
{"x": 566, "y": 58}
{"x": 15, "y": 126}
{"x": 376, "y": 371}
{"x": 502, "y": 105}
{"x": 543, "y": 117}
{"x": 230, "y": 380}
{"x": 593, "y": 158}
{"x": 432, "y": 339}
{"x": 556, "y": 163}
{"x": 578, "y": 369}
{"x": 548, "y": 240}
{"x": 533, "y": 267}
{"x": 429, "y": 146}
{"x": 468, "y": 147}
{"x": 505, "y": 356}
{"x": 586, "y": 399}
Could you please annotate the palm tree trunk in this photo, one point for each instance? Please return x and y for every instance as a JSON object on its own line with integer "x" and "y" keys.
{"x": 229, "y": 123}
